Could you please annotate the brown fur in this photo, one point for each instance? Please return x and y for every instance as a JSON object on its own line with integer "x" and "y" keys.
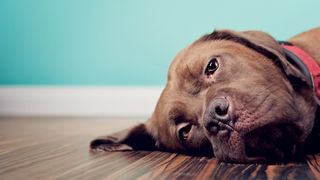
{"x": 272, "y": 107}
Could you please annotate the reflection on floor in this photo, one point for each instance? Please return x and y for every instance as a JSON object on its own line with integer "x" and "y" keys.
{"x": 57, "y": 148}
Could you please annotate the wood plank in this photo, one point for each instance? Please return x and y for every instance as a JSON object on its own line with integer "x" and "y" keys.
{"x": 58, "y": 148}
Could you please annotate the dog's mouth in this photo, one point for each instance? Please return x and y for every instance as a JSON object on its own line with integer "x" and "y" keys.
{"x": 272, "y": 143}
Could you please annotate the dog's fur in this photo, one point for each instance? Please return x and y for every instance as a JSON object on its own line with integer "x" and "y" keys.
{"x": 271, "y": 104}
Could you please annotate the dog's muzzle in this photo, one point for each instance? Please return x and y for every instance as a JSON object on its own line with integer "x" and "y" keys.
{"x": 218, "y": 116}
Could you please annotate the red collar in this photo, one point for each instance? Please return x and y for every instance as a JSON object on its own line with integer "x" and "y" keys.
{"x": 313, "y": 69}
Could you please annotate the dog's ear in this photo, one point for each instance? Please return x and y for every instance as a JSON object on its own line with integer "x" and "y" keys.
{"x": 135, "y": 138}
{"x": 267, "y": 42}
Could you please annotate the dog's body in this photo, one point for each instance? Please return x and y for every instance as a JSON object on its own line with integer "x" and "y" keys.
{"x": 234, "y": 94}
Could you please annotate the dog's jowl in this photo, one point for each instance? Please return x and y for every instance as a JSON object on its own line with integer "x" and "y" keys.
{"x": 238, "y": 96}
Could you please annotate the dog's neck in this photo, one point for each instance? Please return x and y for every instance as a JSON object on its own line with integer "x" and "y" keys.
{"x": 309, "y": 41}
{"x": 307, "y": 65}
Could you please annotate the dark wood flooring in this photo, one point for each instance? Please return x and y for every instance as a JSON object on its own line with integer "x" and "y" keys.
{"x": 57, "y": 148}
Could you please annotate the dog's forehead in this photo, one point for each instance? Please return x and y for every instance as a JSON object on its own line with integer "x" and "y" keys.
{"x": 189, "y": 61}
{"x": 188, "y": 66}
{"x": 199, "y": 52}
{"x": 193, "y": 52}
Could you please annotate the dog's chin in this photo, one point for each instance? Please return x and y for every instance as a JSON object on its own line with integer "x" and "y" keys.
{"x": 268, "y": 144}
{"x": 274, "y": 142}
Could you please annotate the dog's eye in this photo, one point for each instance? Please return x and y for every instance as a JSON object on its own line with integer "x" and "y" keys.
{"x": 211, "y": 67}
{"x": 184, "y": 131}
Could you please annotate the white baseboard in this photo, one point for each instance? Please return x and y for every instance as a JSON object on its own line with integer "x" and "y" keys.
{"x": 78, "y": 101}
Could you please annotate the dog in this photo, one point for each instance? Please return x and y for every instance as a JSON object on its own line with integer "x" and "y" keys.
{"x": 240, "y": 96}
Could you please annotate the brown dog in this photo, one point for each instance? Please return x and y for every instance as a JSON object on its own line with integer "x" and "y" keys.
{"x": 234, "y": 94}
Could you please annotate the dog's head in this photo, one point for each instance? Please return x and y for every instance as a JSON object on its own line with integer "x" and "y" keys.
{"x": 231, "y": 93}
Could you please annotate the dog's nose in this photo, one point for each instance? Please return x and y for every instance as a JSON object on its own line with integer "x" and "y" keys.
{"x": 218, "y": 116}
{"x": 219, "y": 109}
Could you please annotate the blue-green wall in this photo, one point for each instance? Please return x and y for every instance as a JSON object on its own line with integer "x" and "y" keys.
{"x": 122, "y": 42}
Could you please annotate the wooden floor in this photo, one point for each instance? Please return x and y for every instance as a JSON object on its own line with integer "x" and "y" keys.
{"x": 57, "y": 148}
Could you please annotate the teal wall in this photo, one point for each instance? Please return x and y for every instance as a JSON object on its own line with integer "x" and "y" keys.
{"x": 122, "y": 42}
